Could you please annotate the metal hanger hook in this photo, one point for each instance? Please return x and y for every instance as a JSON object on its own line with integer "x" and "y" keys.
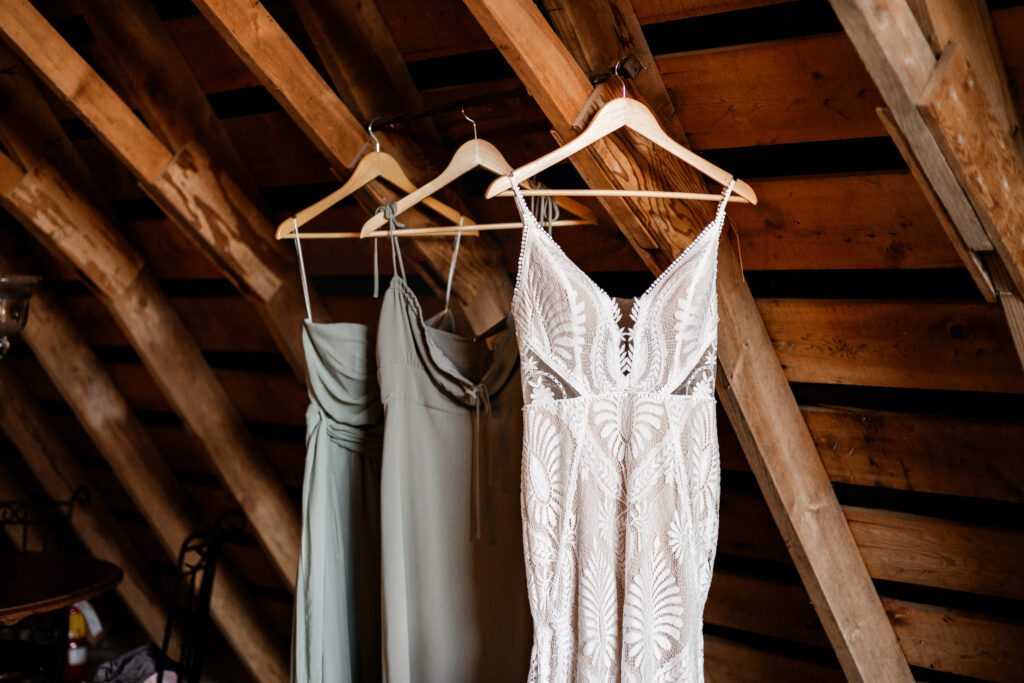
{"x": 616, "y": 71}
{"x": 465, "y": 116}
{"x": 369, "y": 129}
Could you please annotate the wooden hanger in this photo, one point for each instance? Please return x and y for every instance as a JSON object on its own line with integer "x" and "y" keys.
{"x": 475, "y": 153}
{"x": 622, "y": 112}
{"x": 376, "y": 165}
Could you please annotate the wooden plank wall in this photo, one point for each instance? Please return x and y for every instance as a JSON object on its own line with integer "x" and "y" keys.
{"x": 907, "y": 378}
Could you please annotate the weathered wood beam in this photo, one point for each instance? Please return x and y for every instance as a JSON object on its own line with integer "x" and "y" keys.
{"x": 60, "y": 475}
{"x": 960, "y": 642}
{"x": 897, "y": 55}
{"x": 942, "y": 454}
{"x": 481, "y": 285}
{"x": 122, "y": 441}
{"x": 983, "y": 156}
{"x": 969, "y": 24}
{"x": 928, "y": 551}
{"x": 363, "y": 61}
{"x": 77, "y": 228}
{"x": 140, "y": 57}
{"x": 188, "y": 185}
{"x": 47, "y": 204}
{"x": 752, "y": 386}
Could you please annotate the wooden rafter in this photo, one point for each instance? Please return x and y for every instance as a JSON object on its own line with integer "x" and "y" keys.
{"x": 186, "y": 182}
{"x": 49, "y": 205}
{"x": 952, "y": 116}
{"x": 752, "y": 386}
{"x": 147, "y": 478}
{"x": 481, "y": 284}
{"x": 60, "y": 476}
{"x": 141, "y": 60}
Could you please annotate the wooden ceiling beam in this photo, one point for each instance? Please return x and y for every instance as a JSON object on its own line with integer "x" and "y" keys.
{"x": 897, "y": 55}
{"x": 481, "y": 285}
{"x": 60, "y": 475}
{"x": 191, "y": 187}
{"x": 140, "y": 57}
{"x": 752, "y": 385}
{"x": 123, "y": 442}
{"x": 52, "y": 207}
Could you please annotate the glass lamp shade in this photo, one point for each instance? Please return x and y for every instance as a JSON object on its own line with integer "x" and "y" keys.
{"x": 15, "y": 291}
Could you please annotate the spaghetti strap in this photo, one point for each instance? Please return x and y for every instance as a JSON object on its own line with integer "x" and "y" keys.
{"x": 302, "y": 270}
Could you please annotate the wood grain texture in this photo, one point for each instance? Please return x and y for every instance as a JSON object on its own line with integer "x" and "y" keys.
{"x": 931, "y": 454}
{"x": 936, "y": 552}
{"x": 959, "y": 642}
{"x": 924, "y": 345}
{"x": 194, "y": 190}
{"x": 898, "y": 57}
{"x": 862, "y": 220}
{"x": 972, "y": 260}
{"x": 786, "y": 91}
{"x": 68, "y": 74}
{"x": 140, "y": 56}
{"x": 969, "y": 24}
{"x": 982, "y": 154}
{"x": 268, "y": 52}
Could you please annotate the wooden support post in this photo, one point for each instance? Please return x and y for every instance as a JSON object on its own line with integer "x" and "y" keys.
{"x": 56, "y": 209}
{"x": 145, "y": 475}
{"x": 186, "y": 182}
{"x": 481, "y": 284}
{"x": 60, "y": 475}
{"x": 752, "y": 385}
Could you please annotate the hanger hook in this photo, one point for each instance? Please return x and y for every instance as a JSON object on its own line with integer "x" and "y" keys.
{"x": 465, "y": 116}
{"x": 616, "y": 71}
{"x": 369, "y": 129}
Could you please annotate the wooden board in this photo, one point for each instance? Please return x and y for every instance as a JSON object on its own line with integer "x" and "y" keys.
{"x": 933, "y": 454}
{"x": 727, "y": 661}
{"x": 959, "y": 642}
{"x": 940, "y": 553}
{"x": 925, "y": 345}
{"x": 785, "y": 91}
{"x": 857, "y": 220}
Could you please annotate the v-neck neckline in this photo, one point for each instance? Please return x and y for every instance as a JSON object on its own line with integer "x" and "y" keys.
{"x": 611, "y": 309}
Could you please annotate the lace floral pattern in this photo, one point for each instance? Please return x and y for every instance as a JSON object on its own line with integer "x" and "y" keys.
{"x": 620, "y": 463}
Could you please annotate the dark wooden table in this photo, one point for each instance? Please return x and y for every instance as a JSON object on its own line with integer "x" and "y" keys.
{"x": 33, "y": 583}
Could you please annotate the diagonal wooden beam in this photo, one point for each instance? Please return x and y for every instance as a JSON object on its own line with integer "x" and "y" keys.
{"x": 147, "y": 478}
{"x": 481, "y": 284}
{"x": 894, "y": 50}
{"x": 752, "y": 385}
{"x": 60, "y": 475}
{"x": 139, "y": 57}
{"x": 186, "y": 182}
{"x": 46, "y": 203}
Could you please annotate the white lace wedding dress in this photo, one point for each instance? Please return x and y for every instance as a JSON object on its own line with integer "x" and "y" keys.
{"x": 620, "y": 463}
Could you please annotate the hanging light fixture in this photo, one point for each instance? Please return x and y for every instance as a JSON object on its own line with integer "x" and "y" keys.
{"x": 15, "y": 291}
